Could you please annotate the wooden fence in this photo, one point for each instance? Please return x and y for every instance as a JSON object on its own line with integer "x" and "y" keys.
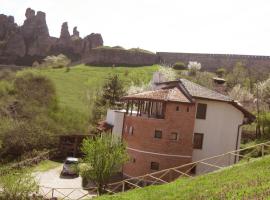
{"x": 164, "y": 176}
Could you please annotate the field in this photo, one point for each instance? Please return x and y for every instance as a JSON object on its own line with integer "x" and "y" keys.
{"x": 77, "y": 87}
{"x": 243, "y": 181}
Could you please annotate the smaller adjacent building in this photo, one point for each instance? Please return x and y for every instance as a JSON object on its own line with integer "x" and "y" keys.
{"x": 176, "y": 123}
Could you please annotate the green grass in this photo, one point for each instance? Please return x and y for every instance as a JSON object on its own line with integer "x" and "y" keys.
{"x": 243, "y": 181}
{"x": 45, "y": 165}
{"x": 75, "y": 87}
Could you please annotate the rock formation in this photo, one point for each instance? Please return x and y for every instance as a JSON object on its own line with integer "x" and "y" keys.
{"x": 22, "y": 45}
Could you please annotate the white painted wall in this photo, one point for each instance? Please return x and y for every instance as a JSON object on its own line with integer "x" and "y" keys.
{"x": 220, "y": 133}
{"x": 116, "y": 119}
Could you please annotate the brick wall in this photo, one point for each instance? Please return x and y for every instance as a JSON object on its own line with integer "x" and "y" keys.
{"x": 181, "y": 122}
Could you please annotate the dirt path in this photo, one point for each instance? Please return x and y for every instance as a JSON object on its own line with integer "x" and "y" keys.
{"x": 70, "y": 186}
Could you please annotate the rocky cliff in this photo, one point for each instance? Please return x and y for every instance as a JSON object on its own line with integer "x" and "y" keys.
{"x": 22, "y": 45}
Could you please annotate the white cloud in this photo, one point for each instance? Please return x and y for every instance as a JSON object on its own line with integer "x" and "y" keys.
{"x": 224, "y": 26}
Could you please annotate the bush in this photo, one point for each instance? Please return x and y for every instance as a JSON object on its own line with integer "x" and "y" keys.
{"x": 17, "y": 185}
{"x": 179, "y": 66}
{"x": 59, "y": 61}
{"x": 221, "y": 72}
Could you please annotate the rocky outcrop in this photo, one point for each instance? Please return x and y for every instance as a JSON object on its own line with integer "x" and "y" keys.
{"x": 22, "y": 45}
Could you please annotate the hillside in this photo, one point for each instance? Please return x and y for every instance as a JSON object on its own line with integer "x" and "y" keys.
{"x": 76, "y": 88}
{"x": 243, "y": 181}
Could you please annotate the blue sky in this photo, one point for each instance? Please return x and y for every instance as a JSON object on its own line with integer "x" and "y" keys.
{"x": 208, "y": 26}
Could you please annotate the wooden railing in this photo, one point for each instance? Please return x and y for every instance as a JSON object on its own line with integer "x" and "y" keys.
{"x": 164, "y": 176}
{"x": 208, "y": 164}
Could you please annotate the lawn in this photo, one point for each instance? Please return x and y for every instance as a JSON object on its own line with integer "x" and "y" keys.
{"x": 243, "y": 181}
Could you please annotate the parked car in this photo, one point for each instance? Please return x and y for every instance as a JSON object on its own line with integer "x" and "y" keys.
{"x": 70, "y": 166}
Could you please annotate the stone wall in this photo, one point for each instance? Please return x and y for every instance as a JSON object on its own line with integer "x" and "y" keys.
{"x": 213, "y": 61}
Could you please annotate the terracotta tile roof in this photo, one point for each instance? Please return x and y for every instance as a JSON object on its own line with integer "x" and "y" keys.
{"x": 168, "y": 94}
{"x": 199, "y": 91}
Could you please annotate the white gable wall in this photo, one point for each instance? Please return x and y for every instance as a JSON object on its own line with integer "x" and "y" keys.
{"x": 220, "y": 133}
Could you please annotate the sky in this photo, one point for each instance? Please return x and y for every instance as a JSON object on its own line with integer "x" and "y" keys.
{"x": 192, "y": 26}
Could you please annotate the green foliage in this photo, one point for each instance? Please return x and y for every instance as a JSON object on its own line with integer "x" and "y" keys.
{"x": 17, "y": 185}
{"x": 179, "y": 66}
{"x": 104, "y": 156}
{"x": 25, "y": 122}
{"x": 112, "y": 91}
{"x": 221, "y": 72}
{"x": 59, "y": 61}
{"x": 193, "y": 68}
{"x": 243, "y": 181}
{"x": 239, "y": 75}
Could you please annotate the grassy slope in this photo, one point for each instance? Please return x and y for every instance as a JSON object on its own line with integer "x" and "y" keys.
{"x": 243, "y": 181}
{"x": 76, "y": 88}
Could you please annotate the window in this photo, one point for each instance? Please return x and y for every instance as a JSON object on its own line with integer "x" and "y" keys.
{"x": 174, "y": 136}
{"x": 198, "y": 141}
{"x": 188, "y": 109}
{"x": 154, "y": 166}
{"x": 131, "y": 129}
{"x": 177, "y": 108}
{"x": 158, "y": 134}
{"x": 201, "y": 111}
{"x": 133, "y": 160}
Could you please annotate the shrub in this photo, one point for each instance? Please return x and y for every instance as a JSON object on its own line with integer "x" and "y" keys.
{"x": 59, "y": 61}
{"x": 179, "y": 66}
{"x": 221, "y": 72}
{"x": 17, "y": 185}
{"x": 35, "y": 64}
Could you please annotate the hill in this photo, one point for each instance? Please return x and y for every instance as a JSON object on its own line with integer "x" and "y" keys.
{"x": 76, "y": 89}
{"x": 242, "y": 181}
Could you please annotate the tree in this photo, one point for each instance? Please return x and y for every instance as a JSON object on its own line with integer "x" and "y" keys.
{"x": 112, "y": 91}
{"x": 104, "y": 156}
{"x": 193, "y": 67}
{"x": 241, "y": 94}
{"x": 167, "y": 73}
{"x": 17, "y": 185}
{"x": 239, "y": 75}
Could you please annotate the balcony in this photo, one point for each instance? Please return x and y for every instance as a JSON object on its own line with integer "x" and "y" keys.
{"x": 146, "y": 108}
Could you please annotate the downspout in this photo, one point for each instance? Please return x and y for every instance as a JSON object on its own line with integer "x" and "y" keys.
{"x": 237, "y": 139}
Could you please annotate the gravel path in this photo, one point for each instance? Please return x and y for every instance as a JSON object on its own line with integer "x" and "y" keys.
{"x": 66, "y": 185}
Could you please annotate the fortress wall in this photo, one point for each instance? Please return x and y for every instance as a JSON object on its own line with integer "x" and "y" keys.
{"x": 213, "y": 61}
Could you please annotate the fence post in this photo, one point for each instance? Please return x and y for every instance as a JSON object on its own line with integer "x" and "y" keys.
{"x": 123, "y": 186}
{"x": 52, "y": 192}
{"x": 262, "y": 150}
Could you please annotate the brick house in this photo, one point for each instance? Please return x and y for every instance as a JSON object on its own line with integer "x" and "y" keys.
{"x": 176, "y": 123}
